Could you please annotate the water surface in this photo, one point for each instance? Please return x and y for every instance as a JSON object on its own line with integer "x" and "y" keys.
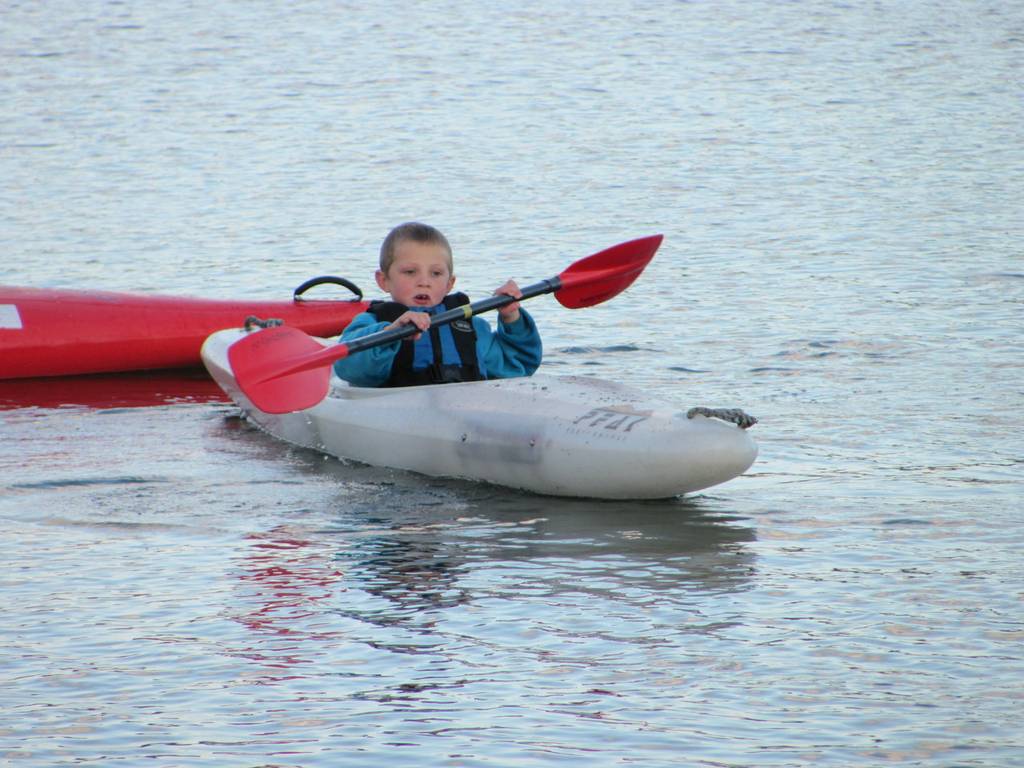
{"x": 839, "y": 187}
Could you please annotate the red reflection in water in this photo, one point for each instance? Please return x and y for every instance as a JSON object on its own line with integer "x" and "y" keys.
{"x": 116, "y": 390}
{"x": 287, "y": 577}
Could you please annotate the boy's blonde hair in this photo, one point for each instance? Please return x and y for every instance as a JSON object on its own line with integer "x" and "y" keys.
{"x": 417, "y": 232}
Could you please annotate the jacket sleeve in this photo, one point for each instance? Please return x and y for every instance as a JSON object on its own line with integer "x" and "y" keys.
{"x": 513, "y": 350}
{"x": 371, "y": 367}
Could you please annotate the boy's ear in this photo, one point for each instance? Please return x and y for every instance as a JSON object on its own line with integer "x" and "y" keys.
{"x": 451, "y": 283}
{"x": 381, "y": 280}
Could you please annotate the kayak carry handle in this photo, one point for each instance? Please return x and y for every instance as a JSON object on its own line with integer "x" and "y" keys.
{"x": 325, "y": 280}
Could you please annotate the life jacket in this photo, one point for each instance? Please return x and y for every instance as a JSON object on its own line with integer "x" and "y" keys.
{"x": 443, "y": 355}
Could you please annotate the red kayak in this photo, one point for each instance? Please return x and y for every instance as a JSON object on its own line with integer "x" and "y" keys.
{"x": 54, "y": 332}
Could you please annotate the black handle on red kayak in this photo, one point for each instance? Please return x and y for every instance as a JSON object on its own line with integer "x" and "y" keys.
{"x": 325, "y": 280}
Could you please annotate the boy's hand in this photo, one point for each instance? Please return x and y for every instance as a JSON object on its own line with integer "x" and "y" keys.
{"x": 420, "y": 319}
{"x": 509, "y": 313}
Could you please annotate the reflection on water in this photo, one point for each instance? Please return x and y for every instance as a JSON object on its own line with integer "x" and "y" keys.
{"x": 403, "y": 562}
{"x": 284, "y": 578}
{"x": 111, "y": 390}
{"x": 423, "y": 562}
{"x": 413, "y": 573}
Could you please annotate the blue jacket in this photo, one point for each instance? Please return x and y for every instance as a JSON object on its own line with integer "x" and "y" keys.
{"x": 513, "y": 350}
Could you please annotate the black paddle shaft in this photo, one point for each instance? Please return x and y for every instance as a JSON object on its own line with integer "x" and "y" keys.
{"x": 389, "y": 336}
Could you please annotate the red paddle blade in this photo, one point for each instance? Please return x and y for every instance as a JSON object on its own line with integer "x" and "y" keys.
{"x": 281, "y": 369}
{"x": 604, "y": 274}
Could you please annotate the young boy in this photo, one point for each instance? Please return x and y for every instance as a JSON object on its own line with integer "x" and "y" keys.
{"x": 416, "y": 269}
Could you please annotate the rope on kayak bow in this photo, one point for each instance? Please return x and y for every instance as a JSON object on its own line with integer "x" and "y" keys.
{"x": 252, "y": 323}
{"x": 738, "y": 417}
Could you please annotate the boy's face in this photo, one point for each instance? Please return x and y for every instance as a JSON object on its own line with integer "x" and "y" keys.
{"x": 420, "y": 275}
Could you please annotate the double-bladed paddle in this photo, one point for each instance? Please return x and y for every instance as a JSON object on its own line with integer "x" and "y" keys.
{"x": 282, "y": 369}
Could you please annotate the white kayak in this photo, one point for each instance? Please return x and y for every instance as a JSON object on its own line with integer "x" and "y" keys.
{"x": 555, "y": 435}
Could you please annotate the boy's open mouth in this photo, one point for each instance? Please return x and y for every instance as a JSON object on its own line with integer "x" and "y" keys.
{"x": 422, "y": 298}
